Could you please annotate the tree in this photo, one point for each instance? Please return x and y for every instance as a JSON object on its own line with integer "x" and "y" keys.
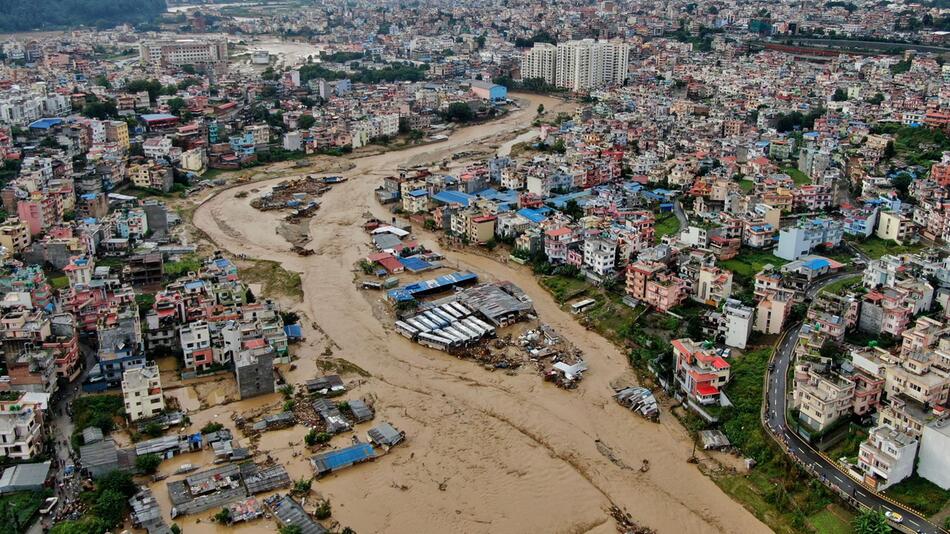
{"x": 223, "y": 517}
{"x": 153, "y": 429}
{"x": 840, "y": 95}
{"x": 323, "y": 510}
{"x": 540, "y": 109}
{"x": 290, "y": 529}
{"x": 148, "y": 463}
{"x": 100, "y": 110}
{"x": 211, "y": 427}
{"x": 871, "y": 522}
{"x": 902, "y": 184}
{"x": 87, "y": 525}
{"x": 573, "y": 210}
{"x": 176, "y": 105}
{"x": 458, "y": 112}
{"x": 110, "y": 507}
{"x": 305, "y": 122}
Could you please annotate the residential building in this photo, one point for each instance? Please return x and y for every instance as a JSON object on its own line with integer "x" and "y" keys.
{"x": 539, "y": 63}
{"x": 588, "y": 64}
{"x": 934, "y": 456}
{"x": 887, "y": 457}
{"x": 142, "y": 392}
{"x": 21, "y": 426}
{"x": 801, "y": 239}
{"x": 736, "y": 323}
{"x": 700, "y": 374}
{"x": 821, "y": 399}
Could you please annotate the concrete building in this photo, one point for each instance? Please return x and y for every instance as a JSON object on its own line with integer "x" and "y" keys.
{"x": 184, "y": 52}
{"x": 254, "y": 370}
{"x": 887, "y": 457}
{"x": 934, "y": 462}
{"x": 895, "y": 226}
{"x": 539, "y": 63}
{"x": 700, "y": 374}
{"x": 736, "y": 323}
{"x": 801, "y": 239}
{"x": 142, "y": 392}
{"x": 21, "y": 426}
{"x": 588, "y": 64}
{"x": 822, "y": 399}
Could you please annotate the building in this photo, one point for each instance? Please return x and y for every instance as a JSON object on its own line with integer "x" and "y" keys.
{"x": 588, "y": 64}
{"x": 254, "y": 370}
{"x": 801, "y": 239}
{"x": 736, "y": 324}
{"x": 934, "y": 456}
{"x": 539, "y": 62}
{"x": 887, "y": 457}
{"x": 142, "y": 392}
{"x": 896, "y": 226}
{"x": 700, "y": 374}
{"x": 714, "y": 285}
{"x": 491, "y": 92}
{"x": 655, "y": 285}
{"x": 181, "y": 52}
{"x": 21, "y": 426}
{"x": 821, "y": 399}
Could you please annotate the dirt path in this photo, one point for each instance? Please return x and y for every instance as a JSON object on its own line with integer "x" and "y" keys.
{"x": 487, "y": 451}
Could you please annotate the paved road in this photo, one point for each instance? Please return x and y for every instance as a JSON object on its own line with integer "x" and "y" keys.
{"x": 824, "y": 469}
{"x": 680, "y": 214}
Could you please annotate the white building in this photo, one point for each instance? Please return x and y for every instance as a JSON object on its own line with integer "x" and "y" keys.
{"x": 736, "y": 323}
{"x": 600, "y": 256}
{"x": 184, "y": 52}
{"x": 934, "y": 464}
{"x": 589, "y": 64}
{"x": 142, "y": 392}
{"x": 539, "y": 63}
{"x": 801, "y": 239}
{"x": 195, "y": 337}
{"x": 887, "y": 457}
{"x": 157, "y": 148}
{"x": 21, "y": 426}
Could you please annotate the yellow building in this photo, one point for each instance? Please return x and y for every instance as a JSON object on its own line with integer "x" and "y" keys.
{"x": 14, "y": 235}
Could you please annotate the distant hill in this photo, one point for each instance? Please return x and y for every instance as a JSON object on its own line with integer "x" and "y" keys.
{"x": 25, "y": 15}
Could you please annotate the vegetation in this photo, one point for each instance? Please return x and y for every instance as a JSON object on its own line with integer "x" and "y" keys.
{"x": 875, "y": 247}
{"x": 832, "y": 520}
{"x": 21, "y": 16}
{"x": 17, "y": 510}
{"x": 749, "y": 262}
{"x": 96, "y": 410}
{"x": 798, "y": 176}
{"x": 871, "y": 522}
{"x": 211, "y": 427}
{"x": 148, "y": 463}
{"x": 920, "y": 494}
{"x": 394, "y": 72}
{"x": 315, "y": 437}
{"x": 108, "y": 505}
{"x": 458, "y": 112}
{"x": 796, "y": 120}
{"x": 564, "y": 287}
{"x": 323, "y": 510}
{"x": 916, "y": 145}
{"x": 275, "y": 279}
{"x": 843, "y": 284}
{"x": 175, "y": 269}
{"x": 668, "y": 225}
{"x": 290, "y": 529}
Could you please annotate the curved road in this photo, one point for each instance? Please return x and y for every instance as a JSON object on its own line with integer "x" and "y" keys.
{"x": 856, "y": 493}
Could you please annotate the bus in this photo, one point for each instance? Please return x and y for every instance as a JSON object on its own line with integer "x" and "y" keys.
{"x": 406, "y": 330}
{"x": 582, "y": 305}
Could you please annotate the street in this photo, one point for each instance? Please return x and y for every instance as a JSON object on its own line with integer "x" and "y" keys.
{"x": 827, "y": 471}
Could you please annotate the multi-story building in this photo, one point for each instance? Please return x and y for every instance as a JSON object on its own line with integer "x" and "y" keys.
{"x": 887, "y": 457}
{"x": 600, "y": 256}
{"x": 184, "y": 52}
{"x": 934, "y": 456}
{"x": 195, "y": 343}
{"x": 896, "y": 226}
{"x": 821, "y": 399}
{"x": 714, "y": 285}
{"x": 142, "y": 392}
{"x": 736, "y": 323}
{"x": 21, "y": 426}
{"x": 589, "y": 64}
{"x": 254, "y": 370}
{"x": 655, "y": 285}
{"x": 700, "y": 374}
{"x": 539, "y": 63}
{"x": 801, "y": 239}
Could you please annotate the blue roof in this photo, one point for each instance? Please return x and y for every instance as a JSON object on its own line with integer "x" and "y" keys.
{"x": 494, "y": 194}
{"x": 194, "y": 284}
{"x": 344, "y": 457}
{"x": 816, "y": 263}
{"x": 415, "y": 264}
{"x": 222, "y": 263}
{"x": 562, "y": 200}
{"x": 534, "y": 215}
{"x": 408, "y": 292}
{"x": 45, "y": 124}
{"x": 418, "y": 193}
{"x": 293, "y": 331}
{"x": 453, "y": 197}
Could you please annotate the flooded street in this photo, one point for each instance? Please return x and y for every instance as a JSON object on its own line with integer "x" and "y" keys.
{"x": 486, "y": 451}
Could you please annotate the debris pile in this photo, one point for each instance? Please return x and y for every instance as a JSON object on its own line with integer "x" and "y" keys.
{"x": 626, "y": 523}
{"x": 640, "y": 400}
{"x": 298, "y": 194}
{"x": 557, "y": 360}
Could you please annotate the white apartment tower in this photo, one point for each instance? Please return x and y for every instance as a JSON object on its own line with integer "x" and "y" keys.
{"x": 142, "y": 392}
{"x": 589, "y": 64}
{"x": 539, "y": 62}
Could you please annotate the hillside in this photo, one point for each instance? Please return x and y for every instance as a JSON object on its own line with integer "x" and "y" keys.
{"x": 45, "y": 14}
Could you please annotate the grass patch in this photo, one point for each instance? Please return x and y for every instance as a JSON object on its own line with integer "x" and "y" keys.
{"x": 95, "y": 410}
{"x": 875, "y": 247}
{"x": 798, "y": 176}
{"x": 832, "y": 520}
{"x": 843, "y": 284}
{"x": 668, "y": 225}
{"x": 564, "y": 288}
{"x": 746, "y": 185}
{"x": 59, "y": 282}
{"x": 275, "y": 279}
{"x": 849, "y": 446}
{"x": 749, "y": 262}
{"x": 920, "y": 494}
{"x": 18, "y": 509}
{"x": 189, "y": 263}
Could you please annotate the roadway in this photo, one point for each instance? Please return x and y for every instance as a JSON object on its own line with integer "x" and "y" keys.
{"x": 826, "y": 470}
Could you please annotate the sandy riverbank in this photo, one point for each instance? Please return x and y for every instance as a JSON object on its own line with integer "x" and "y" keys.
{"x": 487, "y": 451}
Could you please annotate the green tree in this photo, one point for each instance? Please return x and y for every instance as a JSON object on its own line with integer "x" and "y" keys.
{"x": 290, "y": 529}
{"x": 110, "y": 506}
{"x": 148, "y": 463}
{"x": 87, "y": 525}
{"x": 540, "y": 109}
{"x": 323, "y": 510}
{"x": 100, "y": 110}
{"x": 840, "y": 95}
{"x": 223, "y": 517}
{"x": 458, "y": 112}
{"x": 305, "y": 122}
{"x": 871, "y": 522}
{"x": 176, "y": 105}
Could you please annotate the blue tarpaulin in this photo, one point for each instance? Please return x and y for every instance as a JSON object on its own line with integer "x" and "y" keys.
{"x": 415, "y": 264}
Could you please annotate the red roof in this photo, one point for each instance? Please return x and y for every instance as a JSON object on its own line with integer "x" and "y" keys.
{"x": 719, "y": 363}
{"x": 706, "y": 390}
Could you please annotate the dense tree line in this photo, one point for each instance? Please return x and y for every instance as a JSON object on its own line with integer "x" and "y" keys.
{"x": 22, "y": 16}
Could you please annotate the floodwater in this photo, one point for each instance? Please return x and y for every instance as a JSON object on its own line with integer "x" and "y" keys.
{"x": 486, "y": 451}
